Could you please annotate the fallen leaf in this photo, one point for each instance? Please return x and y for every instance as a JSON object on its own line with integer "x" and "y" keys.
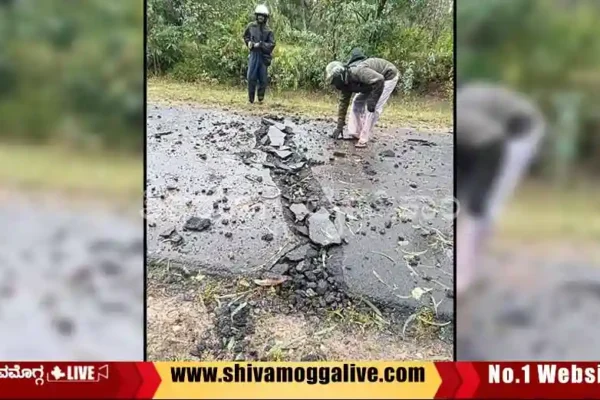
{"x": 418, "y": 292}
{"x": 244, "y": 283}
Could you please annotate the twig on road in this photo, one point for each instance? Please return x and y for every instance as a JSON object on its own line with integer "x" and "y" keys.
{"x": 441, "y": 284}
{"x": 384, "y": 255}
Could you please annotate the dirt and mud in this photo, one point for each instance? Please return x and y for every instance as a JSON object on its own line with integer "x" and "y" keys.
{"x": 194, "y": 316}
{"x": 71, "y": 280}
{"x": 276, "y": 203}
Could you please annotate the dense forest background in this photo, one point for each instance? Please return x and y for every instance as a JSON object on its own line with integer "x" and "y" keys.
{"x": 71, "y": 73}
{"x": 192, "y": 40}
{"x": 549, "y": 49}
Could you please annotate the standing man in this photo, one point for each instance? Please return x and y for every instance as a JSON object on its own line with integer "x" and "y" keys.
{"x": 373, "y": 80}
{"x": 260, "y": 41}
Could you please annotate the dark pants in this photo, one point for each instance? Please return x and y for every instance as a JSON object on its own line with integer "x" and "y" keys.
{"x": 257, "y": 75}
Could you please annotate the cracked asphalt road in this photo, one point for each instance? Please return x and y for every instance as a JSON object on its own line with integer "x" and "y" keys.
{"x": 396, "y": 196}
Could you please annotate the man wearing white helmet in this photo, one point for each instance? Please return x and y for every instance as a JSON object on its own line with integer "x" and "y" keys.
{"x": 260, "y": 41}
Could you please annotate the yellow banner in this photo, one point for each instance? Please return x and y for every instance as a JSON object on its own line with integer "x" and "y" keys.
{"x": 302, "y": 380}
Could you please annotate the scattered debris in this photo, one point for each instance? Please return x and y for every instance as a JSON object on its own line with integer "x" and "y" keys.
{"x": 267, "y": 237}
{"x": 422, "y": 142}
{"x": 300, "y": 211}
{"x": 171, "y": 235}
{"x": 197, "y": 224}
{"x": 167, "y": 234}
{"x": 283, "y": 154}
{"x": 280, "y": 269}
{"x": 298, "y": 254}
{"x": 276, "y": 137}
{"x": 321, "y": 230}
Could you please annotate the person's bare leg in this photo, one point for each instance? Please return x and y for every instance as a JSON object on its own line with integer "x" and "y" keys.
{"x": 372, "y": 118}
{"x": 356, "y": 120}
{"x": 469, "y": 237}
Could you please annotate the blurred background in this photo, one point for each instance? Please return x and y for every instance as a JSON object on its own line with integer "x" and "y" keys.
{"x": 71, "y": 179}
{"x": 546, "y": 256}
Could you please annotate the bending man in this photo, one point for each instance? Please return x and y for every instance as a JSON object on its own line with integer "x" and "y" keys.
{"x": 372, "y": 80}
{"x": 498, "y": 132}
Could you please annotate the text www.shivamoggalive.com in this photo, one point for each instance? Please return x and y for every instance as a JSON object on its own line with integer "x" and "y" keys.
{"x": 348, "y": 373}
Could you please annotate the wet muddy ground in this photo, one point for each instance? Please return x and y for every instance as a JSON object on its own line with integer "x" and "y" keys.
{"x": 533, "y": 307}
{"x": 327, "y": 226}
{"x": 71, "y": 281}
{"x": 193, "y": 316}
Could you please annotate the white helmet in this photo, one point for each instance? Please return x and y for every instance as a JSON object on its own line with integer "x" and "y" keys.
{"x": 332, "y": 70}
{"x": 262, "y": 10}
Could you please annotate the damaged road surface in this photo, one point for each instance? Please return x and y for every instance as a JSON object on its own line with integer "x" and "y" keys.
{"x": 279, "y": 200}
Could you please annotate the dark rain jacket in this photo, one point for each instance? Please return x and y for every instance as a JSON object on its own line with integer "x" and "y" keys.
{"x": 261, "y": 33}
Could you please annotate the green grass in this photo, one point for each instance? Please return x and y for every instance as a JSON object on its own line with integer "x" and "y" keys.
{"x": 57, "y": 169}
{"x": 418, "y": 113}
{"x": 542, "y": 212}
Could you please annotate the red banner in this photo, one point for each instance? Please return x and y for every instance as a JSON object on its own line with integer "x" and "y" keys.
{"x": 463, "y": 380}
{"x": 78, "y": 380}
{"x": 519, "y": 380}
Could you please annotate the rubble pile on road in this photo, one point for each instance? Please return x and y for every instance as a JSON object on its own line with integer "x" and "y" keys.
{"x": 308, "y": 280}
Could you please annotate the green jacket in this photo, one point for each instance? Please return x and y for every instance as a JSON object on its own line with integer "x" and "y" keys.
{"x": 366, "y": 77}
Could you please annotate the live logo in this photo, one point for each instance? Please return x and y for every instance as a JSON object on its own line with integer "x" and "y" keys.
{"x": 81, "y": 373}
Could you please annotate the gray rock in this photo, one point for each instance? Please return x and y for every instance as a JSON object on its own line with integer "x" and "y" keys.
{"x": 276, "y": 137}
{"x": 197, "y": 224}
{"x": 300, "y": 211}
{"x": 280, "y": 269}
{"x": 340, "y": 224}
{"x": 321, "y": 230}
{"x": 267, "y": 237}
{"x": 295, "y": 167}
{"x": 167, "y": 233}
{"x": 297, "y": 254}
{"x": 330, "y": 298}
{"x": 310, "y": 275}
{"x": 301, "y": 229}
{"x": 283, "y": 154}
{"x": 321, "y": 287}
{"x": 268, "y": 122}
